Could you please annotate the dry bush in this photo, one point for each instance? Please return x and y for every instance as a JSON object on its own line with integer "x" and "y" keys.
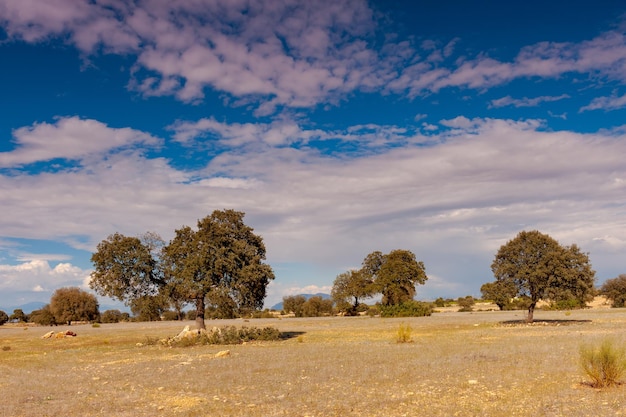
{"x": 404, "y": 333}
{"x": 604, "y": 364}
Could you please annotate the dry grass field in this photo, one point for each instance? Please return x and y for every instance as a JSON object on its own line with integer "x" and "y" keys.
{"x": 458, "y": 364}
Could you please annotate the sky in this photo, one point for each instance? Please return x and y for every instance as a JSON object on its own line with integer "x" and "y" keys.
{"x": 340, "y": 127}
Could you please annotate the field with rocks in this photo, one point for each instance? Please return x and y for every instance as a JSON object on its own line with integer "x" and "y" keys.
{"x": 485, "y": 363}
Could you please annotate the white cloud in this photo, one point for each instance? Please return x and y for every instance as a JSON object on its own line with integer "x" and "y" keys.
{"x": 38, "y": 276}
{"x": 474, "y": 185}
{"x": 295, "y": 52}
{"x": 613, "y": 102}
{"x": 70, "y": 138}
{"x": 291, "y": 53}
{"x": 525, "y": 102}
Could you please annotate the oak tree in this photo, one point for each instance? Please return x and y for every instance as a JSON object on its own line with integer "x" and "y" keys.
{"x": 540, "y": 268}
{"x": 394, "y": 275}
{"x": 350, "y": 288}
{"x": 500, "y": 293}
{"x": 293, "y": 304}
{"x": 73, "y": 304}
{"x": 614, "y": 289}
{"x": 220, "y": 263}
{"x": 124, "y": 268}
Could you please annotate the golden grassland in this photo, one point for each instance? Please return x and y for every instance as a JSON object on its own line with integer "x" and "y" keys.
{"x": 485, "y": 363}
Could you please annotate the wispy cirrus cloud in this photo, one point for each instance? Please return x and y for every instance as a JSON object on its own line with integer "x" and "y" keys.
{"x": 614, "y": 102}
{"x": 525, "y": 102}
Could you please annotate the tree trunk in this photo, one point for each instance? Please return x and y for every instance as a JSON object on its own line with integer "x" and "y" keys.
{"x": 200, "y": 314}
{"x": 531, "y": 311}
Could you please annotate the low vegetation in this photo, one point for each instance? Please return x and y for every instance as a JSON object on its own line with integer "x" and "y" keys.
{"x": 404, "y": 333}
{"x": 604, "y": 364}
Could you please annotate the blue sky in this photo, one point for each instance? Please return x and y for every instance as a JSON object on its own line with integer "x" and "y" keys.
{"x": 339, "y": 127}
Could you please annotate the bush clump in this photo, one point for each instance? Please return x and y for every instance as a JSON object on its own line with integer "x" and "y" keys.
{"x": 228, "y": 335}
{"x": 604, "y": 364}
{"x": 404, "y": 333}
{"x": 231, "y": 335}
{"x": 407, "y": 309}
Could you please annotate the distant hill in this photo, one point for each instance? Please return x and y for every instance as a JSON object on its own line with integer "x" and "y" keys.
{"x": 279, "y": 306}
{"x": 26, "y": 308}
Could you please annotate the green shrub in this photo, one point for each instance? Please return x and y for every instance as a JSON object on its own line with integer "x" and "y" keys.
{"x": 374, "y": 310}
{"x": 519, "y": 303}
{"x": 4, "y": 317}
{"x": 440, "y": 302}
{"x": 466, "y": 304}
{"x": 228, "y": 335}
{"x": 111, "y": 316}
{"x": 407, "y": 309}
{"x": 264, "y": 314}
{"x": 568, "y": 304}
{"x": 169, "y": 315}
{"x": 404, "y": 333}
{"x": 604, "y": 364}
{"x": 96, "y": 325}
{"x": 43, "y": 316}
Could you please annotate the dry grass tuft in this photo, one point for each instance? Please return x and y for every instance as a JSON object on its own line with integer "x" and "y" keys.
{"x": 404, "y": 333}
{"x": 604, "y": 364}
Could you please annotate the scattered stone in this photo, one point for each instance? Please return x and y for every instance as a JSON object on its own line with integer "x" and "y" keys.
{"x": 222, "y": 354}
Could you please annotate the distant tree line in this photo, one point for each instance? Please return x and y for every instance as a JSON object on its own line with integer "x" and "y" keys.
{"x": 219, "y": 269}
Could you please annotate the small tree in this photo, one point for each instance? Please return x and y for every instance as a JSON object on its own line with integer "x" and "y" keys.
{"x": 4, "y": 317}
{"x": 466, "y": 304}
{"x": 394, "y": 275}
{"x": 614, "y": 289}
{"x": 293, "y": 304}
{"x": 148, "y": 308}
{"x": 540, "y": 268}
{"x": 19, "y": 316}
{"x": 73, "y": 304}
{"x": 349, "y": 289}
{"x": 43, "y": 316}
{"x": 317, "y": 306}
{"x": 111, "y": 316}
{"x": 500, "y": 293}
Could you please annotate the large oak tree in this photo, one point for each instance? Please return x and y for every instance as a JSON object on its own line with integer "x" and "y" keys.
{"x": 540, "y": 268}
{"x": 394, "y": 275}
{"x": 220, "y": 263}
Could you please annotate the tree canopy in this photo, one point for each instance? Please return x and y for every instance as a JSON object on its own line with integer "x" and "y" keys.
{"x": 540, "y": 268}
{"x": 220, "y": 263}
{"x": 394, "y": 275}
{"x": 350, "y": 288}
{"x": 614, "y": 289}
{"x": 500, "y": 292}
{"x": 73, "y": 304}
